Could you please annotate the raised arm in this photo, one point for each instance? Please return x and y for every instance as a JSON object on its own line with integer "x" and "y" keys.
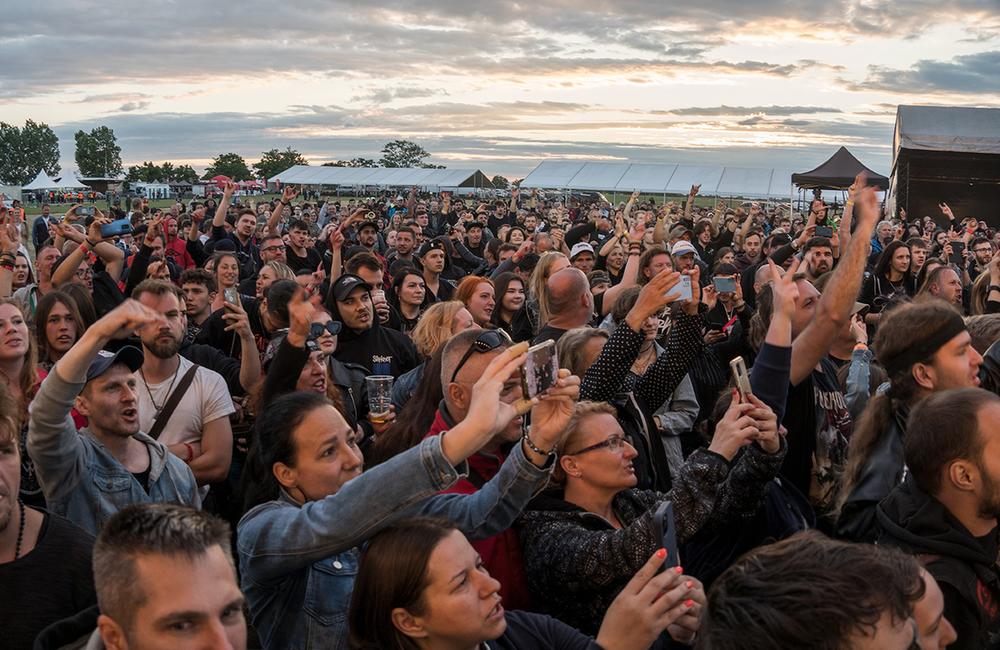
{"x": 834, "y": 308}
{"x": 219, "y": 220}
{"x": 287, "y": 196}
{"x": 689, "y": 204}
{"x": 630, "y": 273}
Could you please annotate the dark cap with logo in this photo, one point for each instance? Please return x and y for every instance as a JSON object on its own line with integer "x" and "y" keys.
{"x": 345, "y": 284}
{"x": 129, "y": 355}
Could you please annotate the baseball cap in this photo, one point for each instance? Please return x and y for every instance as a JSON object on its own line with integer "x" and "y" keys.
{"x": 433, "y": 244}
{"x": 130, "y": 355}
{"x": 683, "y": 248}
{"x": 345, "y": 284}
{"x": 473, "y": 224}
{"x": 580, "y": 247}
{"x": 680, "y": 231}
{"x": 367, "y": 224}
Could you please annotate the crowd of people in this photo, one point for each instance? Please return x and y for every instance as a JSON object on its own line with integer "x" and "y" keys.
{"x": 319, "y": 423}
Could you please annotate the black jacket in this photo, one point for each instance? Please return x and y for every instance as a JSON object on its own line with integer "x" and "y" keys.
{"x": 883, "y": 470}
{"x": 964, "y": 566}
{"x": 577, "y": 562}
{"x": 379, "y": 350}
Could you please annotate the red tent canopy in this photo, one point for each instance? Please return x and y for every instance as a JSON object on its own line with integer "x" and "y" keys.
{"x": 220, "y": 180}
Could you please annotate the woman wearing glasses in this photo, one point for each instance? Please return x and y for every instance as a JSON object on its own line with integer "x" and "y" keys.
{"x": 584, "y": 540}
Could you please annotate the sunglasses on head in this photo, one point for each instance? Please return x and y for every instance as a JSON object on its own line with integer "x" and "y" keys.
{"x": 316, "y": 329}
{"x": 487, "y": 341}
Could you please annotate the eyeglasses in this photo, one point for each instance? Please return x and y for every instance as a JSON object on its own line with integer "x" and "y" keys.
{"x": 316, "y": 329}
{"x": 487, "y": 341}
{"x": 268, "y": 249}
{"x": 84, "y": 273}
{"x": 615, "y": 443}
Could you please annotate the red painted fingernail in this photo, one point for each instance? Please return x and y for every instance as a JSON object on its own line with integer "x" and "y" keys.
{"x": 689, "y": 584}
{"x": 662, "y": 553}
{"x": 678, "y": 570}
{"x": 689, "y": 603}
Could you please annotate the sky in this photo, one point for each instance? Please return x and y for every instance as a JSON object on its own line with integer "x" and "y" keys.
{"x": 496, "y": 85}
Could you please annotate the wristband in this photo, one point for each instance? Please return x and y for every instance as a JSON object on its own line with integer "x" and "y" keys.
{"x": 7, "y": 265}
{"x": 284, "y": 203}
{"x": 190, "y": 452}
{"x": 527, "y": 440}
{"x": 92, "y": 244}
{"x": 83, "y": 246}
{"x": 993, "y": 287}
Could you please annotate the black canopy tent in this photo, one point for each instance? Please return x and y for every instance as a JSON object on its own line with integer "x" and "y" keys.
{"x": 838, "y": 173}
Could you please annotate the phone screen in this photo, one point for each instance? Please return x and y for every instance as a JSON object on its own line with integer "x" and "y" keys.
{"x": 824, "y": 231}
{"x": 683, "y": 288}
{"x": 724, "y": 285}
{"x": 231, "y": 296}
{"x": 541, "y": 369}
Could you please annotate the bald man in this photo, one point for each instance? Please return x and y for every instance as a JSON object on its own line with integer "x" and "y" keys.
{"x": 571, "y": 304}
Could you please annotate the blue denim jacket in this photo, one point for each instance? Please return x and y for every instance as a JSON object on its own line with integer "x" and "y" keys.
{"x": 81, "y": 480}
{"x": 298, "y": 562}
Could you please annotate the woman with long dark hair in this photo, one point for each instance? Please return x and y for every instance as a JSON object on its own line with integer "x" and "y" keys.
{"x": 510, "y": 297}
{"x": 57, "y": 327}
{"x": 408, "y": 298}
{"x": 311, "y": 507}
{"x": 890, "y": 281}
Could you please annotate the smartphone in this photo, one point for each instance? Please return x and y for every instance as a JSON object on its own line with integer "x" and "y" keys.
{"x": 683, "y": 289}
{"x": 115, "y": 228}
{"x": 540, "y": 371}
{"x": 724, "y": 285}
{"x": 824, "y": 231}
{"x": 665, "y": 530}
{"x": 957, "y": 258}
{"x": 741, "y": 377}
{"x": 231, "y": 295}
{"x": 84, "y": 211}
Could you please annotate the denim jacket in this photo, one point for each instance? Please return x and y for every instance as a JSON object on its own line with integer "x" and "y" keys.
{"x": 81, "y": 480}
{"x": 298, "y": 562}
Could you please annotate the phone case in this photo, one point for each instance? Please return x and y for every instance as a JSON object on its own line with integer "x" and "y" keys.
{"x": 540, "y": 370}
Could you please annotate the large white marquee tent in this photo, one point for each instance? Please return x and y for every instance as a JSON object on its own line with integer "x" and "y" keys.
{"x": 662, "y": 179}
{"x": 432, "y": 179}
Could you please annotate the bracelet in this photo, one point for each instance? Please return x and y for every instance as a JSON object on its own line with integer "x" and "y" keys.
{"x": 527, "y": 440}
{"x": 7, "y": 265}
{"x": 190, "y": 451}
{"x": 83, "y": 246}
{"x": 92, "y": 244}
{"x": 284, "y": 203}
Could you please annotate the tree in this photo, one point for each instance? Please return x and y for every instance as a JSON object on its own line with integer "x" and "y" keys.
{"x": 353, "y": 162}
{"x": 500, "y": 182}
{"x": 274, "y": 162}
{"x": 147, "y": 172}
{"x": 184, "y": 173}
{"x": 26, "y": 151}
{"x": 403, "y": 153}
{"x": 231, "y": 165}
{"x": 98, "y": 153}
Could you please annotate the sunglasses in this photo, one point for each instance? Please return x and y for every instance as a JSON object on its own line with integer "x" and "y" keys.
{"x": 614, "y": 443}
{"x": 487, "y": 341}
{"x": 316, "y": 329}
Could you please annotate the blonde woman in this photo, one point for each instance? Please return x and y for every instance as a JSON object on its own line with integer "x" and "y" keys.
{"x": 440, "y": 322}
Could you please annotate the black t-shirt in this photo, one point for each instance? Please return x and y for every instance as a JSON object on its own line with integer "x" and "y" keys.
{"x": 143, "y": 478}
{"x": 819, "y": 429}
{"x": 526, "y": 630}
{"x": 548, "y": 333}
{"x": 52, "y": 582}
{"x": 311, "y": 261}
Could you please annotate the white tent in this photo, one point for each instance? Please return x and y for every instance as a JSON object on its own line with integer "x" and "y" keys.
{"x": 382, "y": 177}
{"x": 69, "y": 182}
{"x": 42, "y": 182}
{"x": 667, "y": 179}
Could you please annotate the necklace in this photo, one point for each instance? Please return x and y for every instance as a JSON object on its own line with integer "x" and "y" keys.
{"x": 170, "y": 389}
{"x": 20, "y": 530}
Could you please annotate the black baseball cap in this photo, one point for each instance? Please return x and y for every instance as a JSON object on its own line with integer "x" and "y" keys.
{"x": 474, "y": 224}
{"x": 433, "y": 244}
{"x": 129, "y": 355}
{"x": 345, "y": 284}
{"x": 367, "y": 224}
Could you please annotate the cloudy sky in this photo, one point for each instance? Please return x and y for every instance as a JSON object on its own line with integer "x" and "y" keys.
{"x": 498, "y": 85}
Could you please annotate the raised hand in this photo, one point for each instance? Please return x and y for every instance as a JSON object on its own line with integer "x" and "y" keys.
{"x": 784, "y": 288}
{"x": 736, "y": 429}
{"x": 694, "y": 191}
{"x": 125, "y": 319}
{"x": 650, "y": 603}
{"x": 288, "y": 194}
{"x": 228, "y": 190}
{"x": 946, "y": 211}
{"x": 767, "y": 425}
{"x": 301, "y": 310}
{"x": 238, "y": 320}
{"x": 653, "y": 297}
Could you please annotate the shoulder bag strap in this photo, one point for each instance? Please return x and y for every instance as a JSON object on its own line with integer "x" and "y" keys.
{"x": 172, "y": 401}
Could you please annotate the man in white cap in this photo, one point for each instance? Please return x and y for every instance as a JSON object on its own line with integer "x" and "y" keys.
{"x": 684, "y": 254}
{"x": 582, "y": 257}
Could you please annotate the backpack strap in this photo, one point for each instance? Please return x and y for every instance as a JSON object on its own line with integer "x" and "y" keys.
{"x": 172, "y": 402}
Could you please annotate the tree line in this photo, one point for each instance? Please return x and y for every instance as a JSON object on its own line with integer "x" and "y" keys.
{"x": 24, "y": 151}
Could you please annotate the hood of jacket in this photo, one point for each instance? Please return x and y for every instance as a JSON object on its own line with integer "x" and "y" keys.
{"x": 919, "y": 523}
{"x": 348, "y": 335}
